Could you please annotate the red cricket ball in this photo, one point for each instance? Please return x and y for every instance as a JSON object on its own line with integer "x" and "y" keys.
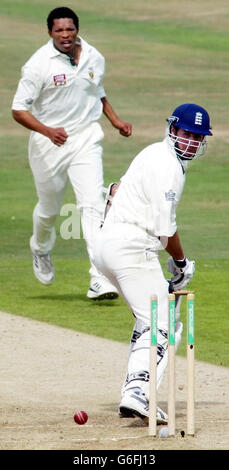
{"x": 80, "y": 417}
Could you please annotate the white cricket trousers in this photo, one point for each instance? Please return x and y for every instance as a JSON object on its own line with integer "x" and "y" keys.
{"x": 122, "y": 254}
{"x": 79, "y": 161}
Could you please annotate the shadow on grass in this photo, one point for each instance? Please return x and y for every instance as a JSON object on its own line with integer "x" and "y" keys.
{"x": 74, "y": 297}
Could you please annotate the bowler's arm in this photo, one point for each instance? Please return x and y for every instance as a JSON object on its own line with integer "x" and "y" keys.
{"x": 57, "y": 135}
{"x": 124, "y": 127}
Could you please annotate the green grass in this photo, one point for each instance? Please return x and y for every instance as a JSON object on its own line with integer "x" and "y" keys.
{"x": 157, "y": 57}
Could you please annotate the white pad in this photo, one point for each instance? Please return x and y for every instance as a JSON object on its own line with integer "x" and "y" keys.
{"x": 178, "y": 299}
{"x": 139, "y": 359}
{"x": 161, "y": 368}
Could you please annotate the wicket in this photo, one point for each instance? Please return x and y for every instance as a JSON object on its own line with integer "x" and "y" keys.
{"x": 172, "y": 302}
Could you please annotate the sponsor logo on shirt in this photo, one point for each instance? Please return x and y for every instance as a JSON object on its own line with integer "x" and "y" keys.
{"x": 59, "y": 80}
{"x": 91, "y": 73}
{"x": 29, "y": 101}
{"x": 170, "y": 195}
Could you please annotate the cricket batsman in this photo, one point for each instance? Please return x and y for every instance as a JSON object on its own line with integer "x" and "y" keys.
{"x": 140, "y": 222}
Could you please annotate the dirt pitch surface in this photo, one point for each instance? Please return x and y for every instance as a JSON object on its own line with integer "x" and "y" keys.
{"x": 48, "y": 373}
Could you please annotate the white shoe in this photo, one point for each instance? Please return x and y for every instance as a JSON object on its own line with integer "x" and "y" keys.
{"x": 134, "y": 403}
{"x": 43, "y": 269}
{"x": 162, "y": 417}
{"x": 101, "y": 289}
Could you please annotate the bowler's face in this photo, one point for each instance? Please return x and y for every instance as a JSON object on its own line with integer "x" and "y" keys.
{"x": 64, "y": 34}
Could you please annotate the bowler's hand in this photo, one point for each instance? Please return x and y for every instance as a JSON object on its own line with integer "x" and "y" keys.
{"x": 125, "y": 128}
{"x": 58, "y": 136}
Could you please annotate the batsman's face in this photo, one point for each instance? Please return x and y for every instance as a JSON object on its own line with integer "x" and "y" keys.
{"x": 188, "y": 142}
{"x": 64, "y": 34}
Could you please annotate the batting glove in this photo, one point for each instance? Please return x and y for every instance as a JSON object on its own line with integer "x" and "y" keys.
{"x": 182, "y": 271}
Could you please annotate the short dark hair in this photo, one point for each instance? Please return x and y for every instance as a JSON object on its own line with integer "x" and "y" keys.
{"x": 62, "y": 12}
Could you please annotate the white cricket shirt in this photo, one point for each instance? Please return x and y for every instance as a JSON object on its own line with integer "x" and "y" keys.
{"x": 58, "y": 93}
{"x": 149, "y": 192}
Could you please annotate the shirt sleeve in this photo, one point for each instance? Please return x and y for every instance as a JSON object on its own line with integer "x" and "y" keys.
{"x": 101, "y": 92}
{"x": 168, "y": 201}
{"x": 102, "y": 69}
{"x": 166, "y": 221}
{"x": 28, "y": 90}
{"x": 163, "y": 188}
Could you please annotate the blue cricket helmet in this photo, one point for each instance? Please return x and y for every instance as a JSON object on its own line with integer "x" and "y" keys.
{"x": 192, "y": 118}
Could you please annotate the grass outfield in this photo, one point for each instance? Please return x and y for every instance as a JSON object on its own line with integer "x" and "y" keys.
{"x": 158, "y": 56}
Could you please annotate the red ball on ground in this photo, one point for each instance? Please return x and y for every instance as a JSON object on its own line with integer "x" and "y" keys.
{"x": 81, "y": 417}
